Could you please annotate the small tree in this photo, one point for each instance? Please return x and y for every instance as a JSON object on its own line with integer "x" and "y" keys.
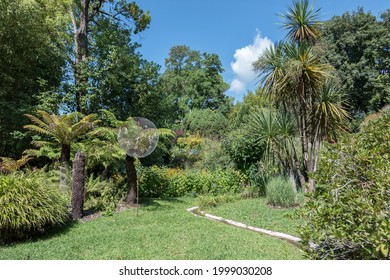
{"x": 108, "y": 135}
{"x": 62, "y": 130}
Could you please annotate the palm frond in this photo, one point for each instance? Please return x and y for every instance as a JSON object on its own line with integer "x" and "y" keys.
{"x": 47, "y": 118}
{"x": 329, "y": 117}
{"x": 270, "y": 66}
{"x": 40, "y": 143}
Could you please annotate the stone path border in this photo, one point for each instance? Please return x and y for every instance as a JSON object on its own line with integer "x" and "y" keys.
{"x": 195, "y": 211}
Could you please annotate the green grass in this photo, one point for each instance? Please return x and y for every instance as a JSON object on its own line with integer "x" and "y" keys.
{"x": 163, "y": 230}
{"x": 256, "y": 212}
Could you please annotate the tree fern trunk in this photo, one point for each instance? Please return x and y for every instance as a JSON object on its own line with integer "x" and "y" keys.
{"x": 78, "y": 186}
{"x": 64, "y": 163}
{"x": 131, "y": 173}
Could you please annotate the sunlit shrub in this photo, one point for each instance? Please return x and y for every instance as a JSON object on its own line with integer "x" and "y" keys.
{"x": 29, "y": 204}
{"x": 348, "y": 216}
{"x": 167, "y": 182}
{"x": 281, "y": 192}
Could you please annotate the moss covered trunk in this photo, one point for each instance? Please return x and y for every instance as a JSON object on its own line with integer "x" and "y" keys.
{"x": 78, "y": 179}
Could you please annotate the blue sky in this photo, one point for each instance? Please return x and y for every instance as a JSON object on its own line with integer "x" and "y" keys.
{"x": 237, "y": 31}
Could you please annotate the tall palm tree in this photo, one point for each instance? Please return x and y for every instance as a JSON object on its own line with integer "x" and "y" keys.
{"x": 62, "y": 130}
{"x": 295, "y": 74}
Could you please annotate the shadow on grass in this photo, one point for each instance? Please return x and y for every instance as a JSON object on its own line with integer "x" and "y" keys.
{"x": 148, "y": 204}
{"x": 156, "y": 204}
{"x": 37, "y": 236}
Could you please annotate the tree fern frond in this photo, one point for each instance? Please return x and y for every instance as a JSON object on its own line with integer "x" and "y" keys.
{"x": 166, "y": 133}
{"x": 39, "y": 143}
{"x": 38, "y": 129}
{"x": 45, "y": 116}
{"x": 11, "y": 165}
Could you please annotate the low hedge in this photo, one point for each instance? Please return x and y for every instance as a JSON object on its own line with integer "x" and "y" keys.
{"x": 160, "y": 182}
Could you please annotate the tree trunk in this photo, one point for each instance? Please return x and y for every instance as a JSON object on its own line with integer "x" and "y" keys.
{"x": 64, "y": 163}
{"x": 131, "y": 173}
{"x": 78, "y": 179}
{"x": 65, "y": 155}
{"x": 303, "y": 131}
{"x": 81, "y": 53}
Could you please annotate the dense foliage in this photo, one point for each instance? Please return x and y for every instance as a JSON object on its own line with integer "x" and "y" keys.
{"x": 348, "y": 216}
{"x": 206, "y": 123}
{"x": 31, "y": 67}
{"x": 193, "y": 80}
{"x": 167, "y": 182}
{"x": 357, "y": 45}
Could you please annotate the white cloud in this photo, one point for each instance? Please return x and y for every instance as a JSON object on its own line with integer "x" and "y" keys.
{"x": 244, "y": 58}
{"x": 237, "y": 86}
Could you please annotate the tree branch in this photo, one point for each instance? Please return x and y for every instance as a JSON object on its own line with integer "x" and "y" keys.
{"x": 74, "y": 23}
{"x": 96, "y": 10}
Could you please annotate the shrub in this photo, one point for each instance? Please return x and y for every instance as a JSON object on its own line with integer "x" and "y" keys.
{"x": 348, "y": 215}
{"x": 154, "y": 182}
{"x": 187, "y": 151}
{"x": 281, "y": 192}
{"x": 212, "y": 156}
{"x": 29, "y": 203}
{"x": 242, "y": 148}
{"x": 167, "y": 182}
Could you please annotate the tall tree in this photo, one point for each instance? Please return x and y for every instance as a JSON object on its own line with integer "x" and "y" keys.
{"x": 31, "y": 66}
{"x": 121, "y": 80}
{"x": 85, "y": 14}
{"x": 295, "y": 74}
{"x": 358, "y": 46}
{"x": 194, "y": 81}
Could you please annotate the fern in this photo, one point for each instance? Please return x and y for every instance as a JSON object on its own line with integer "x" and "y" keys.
{"x": 9, "y": 165}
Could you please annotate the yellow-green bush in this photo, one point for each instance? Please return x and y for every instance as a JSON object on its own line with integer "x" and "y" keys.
{"x": 29, "y": 203}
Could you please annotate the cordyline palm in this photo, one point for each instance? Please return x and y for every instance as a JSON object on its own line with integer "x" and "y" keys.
{"x": 63, "y": 130}
{"x": 294, "y": 74}
{"x": 302, "y": 22}
{"x": 108, "y": 136}
{"x": 328, "y": 118}
{"x": 294, "y": 83}
{"x": 276, "y": 131}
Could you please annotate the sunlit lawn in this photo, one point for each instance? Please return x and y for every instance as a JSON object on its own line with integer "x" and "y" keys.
{"x": 162, "y": 230}
{"x": 256, "y": 212}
